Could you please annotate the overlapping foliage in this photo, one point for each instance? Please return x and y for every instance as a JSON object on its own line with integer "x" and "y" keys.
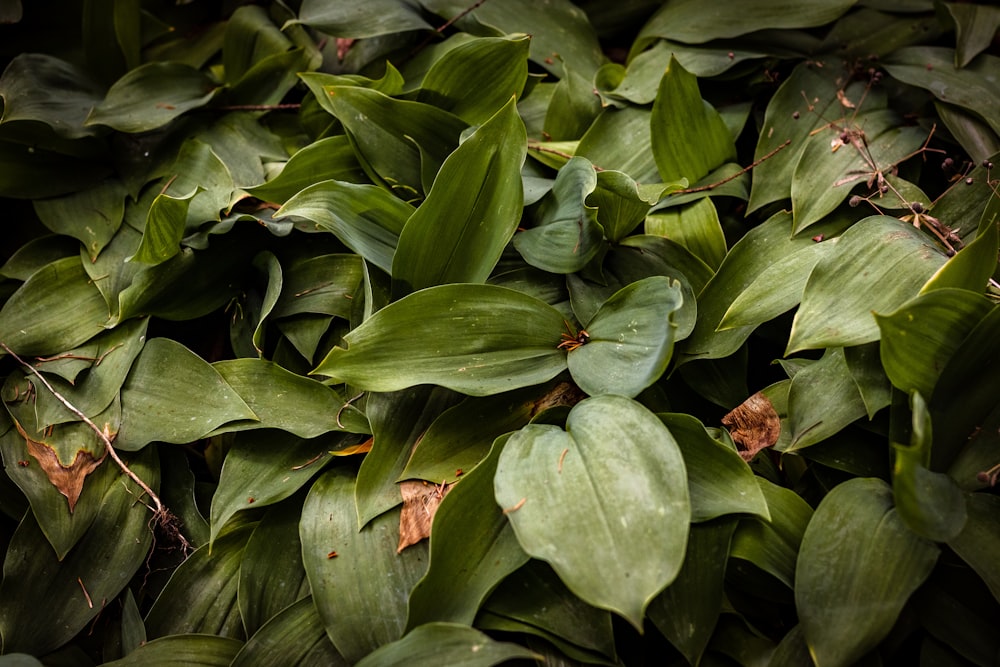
{"x": 674, "y": 325}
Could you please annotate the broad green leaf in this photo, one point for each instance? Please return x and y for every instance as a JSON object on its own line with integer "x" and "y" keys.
{"x": 473, "y": 548}
{"x": 687, "y": 610}
{"x": 598, "y": 500}
{"x": 248, "y": 325}
{"x": 200, "y": 174}
{"x": 283, "y": 400}
{"x": 92, "y": 216}
{"x": 458, "y": 233}
{"x": 691, "y": 268}
{"x": 36, "y": 254}
{"x": 695, "y": 226}
{"x": 620, "y": 140}
{"x": 719, "y": 480}
{"x": 857, "y": 567}
{"x": 932, "y": 67}
{"x": 392, "y": 137}
{"x": 773, "y": 546}
{"x": 974, "y": 134}
{"x": 262, "y": 468}
{"x": 328, "y": 159}
{"x": 359, "y": 583}
{"x": 200, "y": 596}
{"x": 398, "y": 420}
{"x": 463, "y": 435}
{"x": 293, "y": 636}
{"x": 56, "y": 309}
{"x": 534, "y": 601}
{"x": 151, "y": 96}
{"x": 272, "y": 577}
{"x": 865, "y": 366}
{"x": 822, "y": 400}
{"x": 975, "y": 25}
{"x": 446, "y": 643}
{"x": 630, "y": 339}
{"x": 972, "y": 266}
{"x": 476, "y": 339}
{"x": 365, "y": 218}
{"x": 921, "y": 336}
{"x": 164, "y": 229}
{"x": 271, "y": 78}
{"x": 979, "y": 539}
{"x": 693, "y": 22}
{"x": 242, "y": 144}
{"x": 572, "y": 106}
{"x": 323, "y": 284}
{"x": 959, "y": 405}
{"x": 475, "y": 79}
{"x": 186, "y": 650}
{"x": 39, "y": 87}
{"x": 878, "y": 265}
{"x": 42, "y": 602}
{"x": 689, "y": 139}
{"x": 250, "y": 37}
{"x": 929, "y": 503}
{"x": 374, "y": 18}
{"x": 321, "y": 84}
{"x": 622, "y": 204}
{"x": 791, "y": 118}
{"x": 157, "y": 397}
{"x": 559, "y": 29}
{"x": 179, "y": 489}
{"x": 566, "y": 235}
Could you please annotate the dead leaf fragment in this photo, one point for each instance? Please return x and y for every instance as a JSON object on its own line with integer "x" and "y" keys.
{"x": 420, "y": 503}
{"x": 754, "y": 425}
{"x": 68, "y": 480}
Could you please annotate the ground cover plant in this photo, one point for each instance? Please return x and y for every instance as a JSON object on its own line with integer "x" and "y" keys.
{"x": 471, "y": 333}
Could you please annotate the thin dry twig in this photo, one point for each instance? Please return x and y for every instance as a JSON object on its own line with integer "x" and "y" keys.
{"x": 440, "y": 29}
{"x": 161, "y": 515}
{"x": 712, "y": 186}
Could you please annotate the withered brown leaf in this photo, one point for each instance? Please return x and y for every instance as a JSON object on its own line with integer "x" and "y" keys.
{"x": 754, "y": 425}
{"x": 67, "y": 479}
{"x": 420, "y": 503}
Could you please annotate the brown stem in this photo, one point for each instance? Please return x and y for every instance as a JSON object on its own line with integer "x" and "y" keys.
{"x": 712, "y": 186}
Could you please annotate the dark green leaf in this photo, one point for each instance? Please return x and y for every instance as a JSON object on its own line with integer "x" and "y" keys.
{"x": 42, "y": 88}
{"x": 822, "y": 400}
{"x": 856, "y": 569}
{"x": 91, "y": 216}
{"x": 596, "y": 505}
{"x": 327, "y": 159}
{"x": 164, "y": 229}
{"x": 377, "y": 17}
{"x": 980, "y": 537}
{"x": 773, "y": 545}
{"x": 188, "y": 650}
{"x": 620, "y": 140}
{"x": 695, "y": 226}
{"x": 295, "y": 637}
{"x": 448, "y": 643}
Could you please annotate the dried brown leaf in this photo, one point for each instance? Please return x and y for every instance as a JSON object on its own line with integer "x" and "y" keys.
{"x": 754, "y": 425}
{"x": 67, "y": 479}
{"x": 420, "y": 503}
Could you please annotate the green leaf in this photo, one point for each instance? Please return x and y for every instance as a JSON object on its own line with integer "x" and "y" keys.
{"x": 856, "y": 569}
{"x": 689, "y": 138}
{"x": 693, "y": 22}
{"x": 933, "y": 68}
{"x": 463, "y": 435}
{"x": 446, "y": 643}
{"x": 865, "y": 366}
{"x": 822, "y": 400}
{"x": 686, "y": 612}
{"x": 157, "y": 397}
{"x": 921, "y": 336}
{"x": 972, "y": 266}
{"x": 620, "y": 140}
{"x": 929, "y": 503}
{"x": 151, "y": 96}
{"x": 164, "y": 229}
{"x": 360, "y": 584}
{"x": 878, "y": 265}
{"x": 42, "y": 602}
{"x": 622, "y": 204}
{"x": 378, "y": 17}
{"x": 476, "y": 339}
{"x": 323, "y": 284}
{"x": 292, "y": 636}
{"x": 773, "y": 545}
{"x": 272, "y": 577}
{"x": 975, "y": 25}
{"x": 250, "y": 37}
{"x": 596, "y": 505}
{"x": 92, "y": 216}
{"x": 39, "y": 87}
{"x": 187, "y": 650}
{"x": 56, "y": 309}
{"x": 630, "y": 339}
{"x": 695, "y": 226}
{"x": 366, "y": 218}
{"x": 719, "y": 480}
{"x": 200, "y": 596}
{"x": 473, "y": 548}
{"x": 471, "y": 212}
{"x": 281, "y": 399}
{"x": 475, "y": 79}
{"x": 393, "y": 137}
{"x": 328, "y": 159}
{"x": 979, "y": 539}
{"x": 567, "y": 235}
{"x": 262, "y": 468}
